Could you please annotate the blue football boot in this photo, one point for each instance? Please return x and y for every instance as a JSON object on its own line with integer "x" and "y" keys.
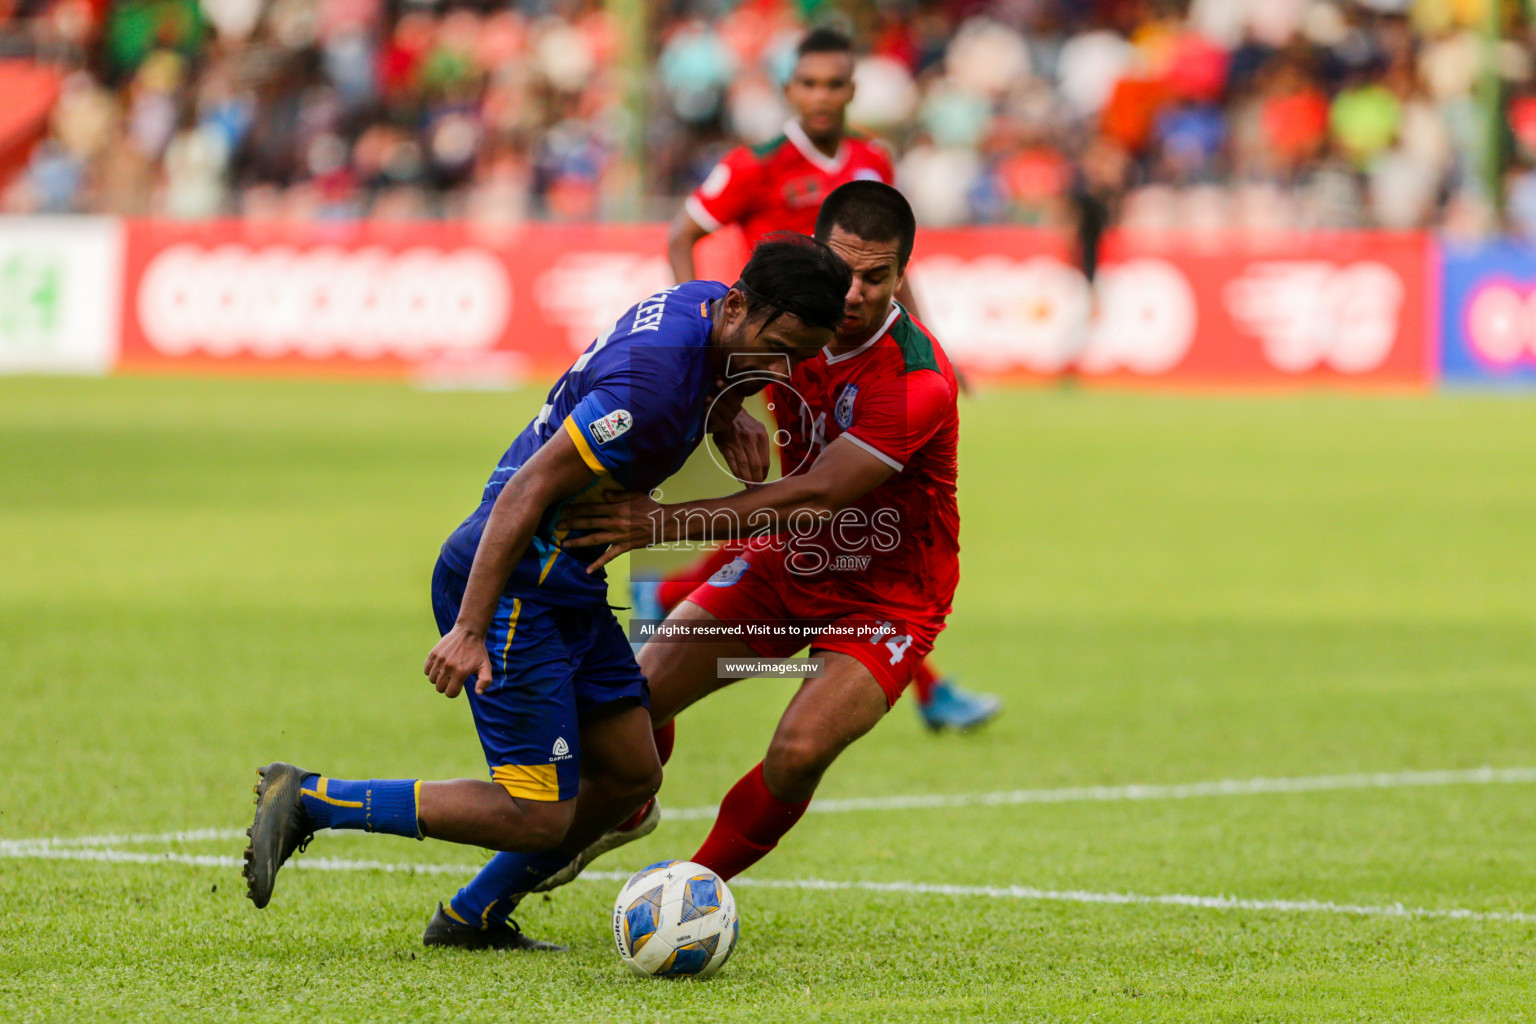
{"x": 950, "y": 706}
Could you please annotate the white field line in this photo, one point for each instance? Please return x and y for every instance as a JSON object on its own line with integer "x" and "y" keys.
{"x": 1184, "y": 791}
{"x": 1009, "y": 892}
{"x": 196, "y": 835}
{"x": 1002, "y": 798}
{"x": 111, "y": 856}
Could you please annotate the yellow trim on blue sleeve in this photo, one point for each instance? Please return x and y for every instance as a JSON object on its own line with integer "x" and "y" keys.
{"x": 529, "y": 781}
{"x": 583, "y": 448}
{"x": 448, "y": 909}
{"x": 319, "y": 793}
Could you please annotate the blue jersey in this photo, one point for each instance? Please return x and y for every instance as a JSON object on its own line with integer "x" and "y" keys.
{"x": 634, "y": 404}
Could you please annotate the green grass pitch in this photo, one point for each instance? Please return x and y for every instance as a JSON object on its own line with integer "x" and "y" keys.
{"x": 200, "y": 576}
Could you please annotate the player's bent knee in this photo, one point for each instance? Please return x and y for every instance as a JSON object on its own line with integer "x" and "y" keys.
{"x": 538, "y": 826}
{"x": 642, "y": 790}
{"x": 542, "y": 838}
{"x": 525, "y": 824}
{"x": 634, "y": 790}
{"x": 640, "y": 776}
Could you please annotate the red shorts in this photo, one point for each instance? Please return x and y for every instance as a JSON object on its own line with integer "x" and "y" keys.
{"x": 755, "y": 587}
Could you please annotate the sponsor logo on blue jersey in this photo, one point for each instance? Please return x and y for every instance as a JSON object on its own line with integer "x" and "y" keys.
{"x": 606, "y": 428}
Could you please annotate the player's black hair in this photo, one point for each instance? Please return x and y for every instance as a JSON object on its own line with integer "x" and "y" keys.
{"x": 873, "y": 211}
{"x": 824, "y": 40}
{"x": 792, "y": 273}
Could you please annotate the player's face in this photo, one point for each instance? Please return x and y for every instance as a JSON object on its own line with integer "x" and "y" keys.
{"x": 819, "y": 92}
{"x": 876, "y": 278}
{"x": 755, "y": 350}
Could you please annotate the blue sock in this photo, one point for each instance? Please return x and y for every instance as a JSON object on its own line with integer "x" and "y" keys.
{"x": 378, "y": 805}
{"x": 486, "y": 900}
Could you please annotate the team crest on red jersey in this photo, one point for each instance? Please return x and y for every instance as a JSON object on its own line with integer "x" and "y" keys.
{"x": 843, "y": 410}
{"x": 802, "y": 192}
{"x": 727, "y": 575}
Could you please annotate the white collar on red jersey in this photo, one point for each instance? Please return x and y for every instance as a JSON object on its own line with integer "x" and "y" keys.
{"x": 885, "y": 328}
{"x": 801, "y": 141}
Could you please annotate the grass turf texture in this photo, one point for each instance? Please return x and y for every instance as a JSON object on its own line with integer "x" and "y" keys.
{"x": 201, "y": 576}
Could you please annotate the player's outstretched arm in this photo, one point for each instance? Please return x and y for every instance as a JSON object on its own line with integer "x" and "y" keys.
{"x": 843, "y": 474}
{"x": 556, "y": 471}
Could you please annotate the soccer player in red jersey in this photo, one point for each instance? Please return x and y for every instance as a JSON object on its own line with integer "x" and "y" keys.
{"x": 780, "y": 186}
{"x": 872, "y": 464}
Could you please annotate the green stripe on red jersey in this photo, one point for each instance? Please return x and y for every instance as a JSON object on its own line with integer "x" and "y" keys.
{"x": 916, "y": 347}
{"x": 766, "y": 149}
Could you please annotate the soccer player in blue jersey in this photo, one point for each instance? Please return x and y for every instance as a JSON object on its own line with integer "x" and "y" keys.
{"x": 558, "y": 700}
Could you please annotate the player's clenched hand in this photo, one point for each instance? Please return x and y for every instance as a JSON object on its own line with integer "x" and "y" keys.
{"x": 623, "y": 521}
{"x": 459, "y": 655}
{"x": 744, "y": 443}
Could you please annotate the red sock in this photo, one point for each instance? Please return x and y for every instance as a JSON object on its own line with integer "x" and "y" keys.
{"x": 750, "y": 823}
{"x": 924, "y": 678}
{"x": 665, "y": 737}
{"x": 676, "y": 587}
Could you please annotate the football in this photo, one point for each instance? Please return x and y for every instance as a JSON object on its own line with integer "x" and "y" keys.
{"x": 675, "y": 919}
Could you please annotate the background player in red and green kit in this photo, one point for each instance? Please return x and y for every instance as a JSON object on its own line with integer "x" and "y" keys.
{"x": 780, "y": 186}
{"x": 879, "y": 430}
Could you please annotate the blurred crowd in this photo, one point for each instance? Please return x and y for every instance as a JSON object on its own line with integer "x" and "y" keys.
{"x": 1256, "y": 113}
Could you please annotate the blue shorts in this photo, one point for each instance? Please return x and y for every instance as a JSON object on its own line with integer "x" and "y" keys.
{"x": 551, "y": 668}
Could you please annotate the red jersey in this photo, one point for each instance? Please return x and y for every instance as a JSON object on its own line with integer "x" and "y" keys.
{"x": 779, "y": 185}
{"x": 894, "y": 397}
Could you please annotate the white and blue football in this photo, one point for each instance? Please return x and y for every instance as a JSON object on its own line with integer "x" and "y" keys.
{"x": 675, "y": 919}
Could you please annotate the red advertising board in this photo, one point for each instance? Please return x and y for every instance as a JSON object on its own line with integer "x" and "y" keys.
{"x": 1333, "y": 310}
{"x": 1340, "y": 310}
{"x": 381, "y": 299}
